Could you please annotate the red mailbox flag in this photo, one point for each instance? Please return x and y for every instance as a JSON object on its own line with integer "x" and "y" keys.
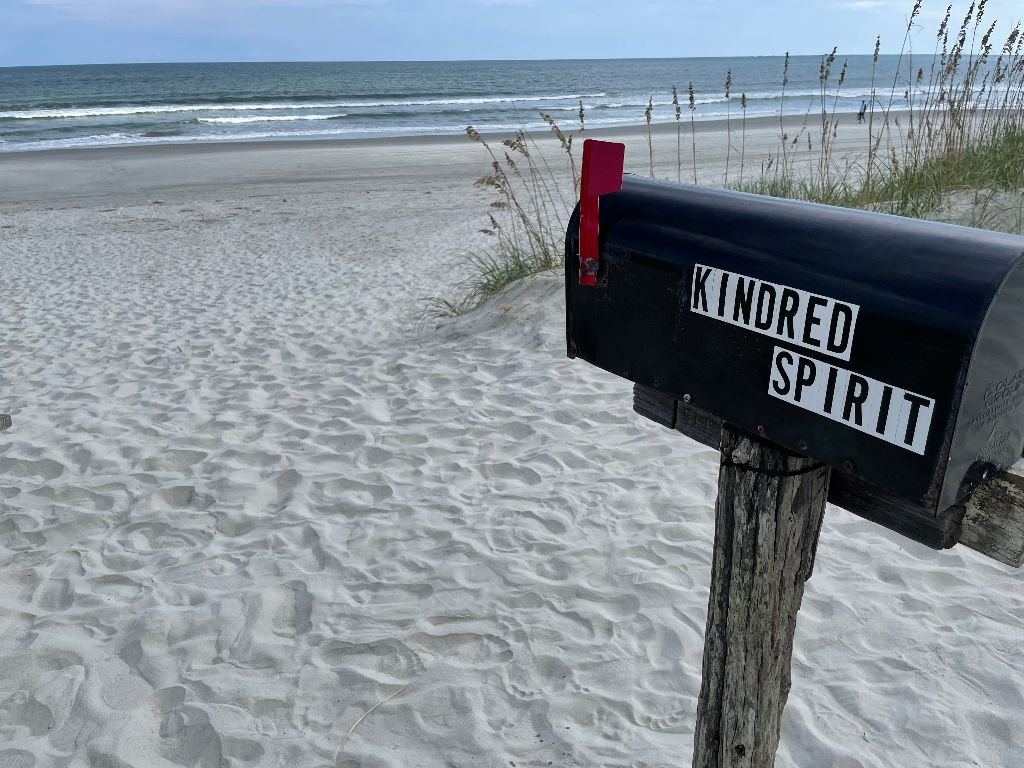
{"x": 602, "y": 175}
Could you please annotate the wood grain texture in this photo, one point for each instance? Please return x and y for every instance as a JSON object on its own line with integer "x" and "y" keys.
{"x": 993, "y": 521}
{"x": 766, "y": 536}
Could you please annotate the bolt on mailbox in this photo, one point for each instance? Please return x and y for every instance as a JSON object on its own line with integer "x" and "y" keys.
{"x": 889, "y": 348}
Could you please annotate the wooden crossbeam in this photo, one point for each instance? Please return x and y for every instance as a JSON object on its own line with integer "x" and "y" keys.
{"x": 993, "y": 521}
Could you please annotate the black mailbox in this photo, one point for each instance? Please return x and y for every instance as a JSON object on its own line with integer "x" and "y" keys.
{"x": 889, "y": 348}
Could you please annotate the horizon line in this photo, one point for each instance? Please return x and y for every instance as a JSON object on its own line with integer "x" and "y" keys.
{"x": 427, "y": 61}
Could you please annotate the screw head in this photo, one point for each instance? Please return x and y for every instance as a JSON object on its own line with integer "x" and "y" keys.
{"x": 687, "y": 399}
{"x": 848, "y": 466}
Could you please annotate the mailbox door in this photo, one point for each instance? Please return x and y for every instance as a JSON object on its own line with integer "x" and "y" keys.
{"x": 989, "y": 433}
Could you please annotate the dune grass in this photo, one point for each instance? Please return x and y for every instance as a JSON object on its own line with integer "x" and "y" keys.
{"x": 962, "y": 129}
{"x": 526, "y": 221}
{"x": 943, "y": 142}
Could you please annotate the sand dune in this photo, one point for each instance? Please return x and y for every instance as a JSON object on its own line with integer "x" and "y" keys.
{"x": 248, "y": 497}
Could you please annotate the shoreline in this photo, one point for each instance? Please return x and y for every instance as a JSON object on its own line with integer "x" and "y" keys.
{"x": 658, "y": 129}
{"x": 140, "y": 174}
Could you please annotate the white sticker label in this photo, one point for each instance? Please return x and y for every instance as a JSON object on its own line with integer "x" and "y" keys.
{"x": 798, "y": 317}
{"x": 887, "y": 412}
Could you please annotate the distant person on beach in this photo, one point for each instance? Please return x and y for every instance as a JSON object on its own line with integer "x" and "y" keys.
{"x": 863, "y": 109}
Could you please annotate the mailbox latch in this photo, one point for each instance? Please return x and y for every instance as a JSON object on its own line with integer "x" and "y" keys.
{"x": 602, "y": 175}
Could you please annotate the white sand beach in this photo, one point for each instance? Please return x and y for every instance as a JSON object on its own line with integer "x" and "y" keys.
{"x": 255, "y": 512}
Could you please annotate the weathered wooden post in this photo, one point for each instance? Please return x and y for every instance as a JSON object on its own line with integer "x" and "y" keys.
{"x": 889, "y": 350}
{"x": 767, "y": 520}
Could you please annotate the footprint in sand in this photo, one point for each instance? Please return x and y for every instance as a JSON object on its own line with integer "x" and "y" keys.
{"x": 351, "y": 493}
{"x": 675, "y": 722}
{"x": 16, "y": 758}
{"x": 187, "y": 737}
{"x": 391, "y": 658}
{"x": 41, "y": 470}
{"x": 173, "y": 461}
{"x": 509, "y": 471}
{"x": 155, "y": 537}
{"x": 21, "y": 714}
{"x": 55, "y": 594}
{"x": 289, "y": 608}
{"x": 184, "y": 497}
{"x": 466, "y": 649}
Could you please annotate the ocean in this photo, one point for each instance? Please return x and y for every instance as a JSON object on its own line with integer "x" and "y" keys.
{"x": 105, "y": 105}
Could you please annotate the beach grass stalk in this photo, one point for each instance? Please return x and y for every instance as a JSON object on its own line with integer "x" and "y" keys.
{"x": 648, "y": 115}
{"x": 783, "y": 135}
{"x": 691, "y": 98}
{"x": 728, "y": 123}
{"x": 679, "y": 133}
{"x": 743, "y": 134}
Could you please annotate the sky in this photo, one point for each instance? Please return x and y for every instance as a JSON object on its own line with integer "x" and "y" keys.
{"x": 38, "y": 32}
